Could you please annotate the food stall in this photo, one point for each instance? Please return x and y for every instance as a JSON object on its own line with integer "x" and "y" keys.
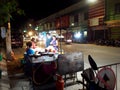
{"x": 44, "y": 66}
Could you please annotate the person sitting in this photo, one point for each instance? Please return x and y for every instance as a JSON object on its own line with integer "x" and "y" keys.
{"x": 29, "y": 49}
{"x": 28, "y": 65}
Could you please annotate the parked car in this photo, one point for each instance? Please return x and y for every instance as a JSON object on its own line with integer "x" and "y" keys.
{"x": 68, "y": 41}
{"x": 17, "y": 39}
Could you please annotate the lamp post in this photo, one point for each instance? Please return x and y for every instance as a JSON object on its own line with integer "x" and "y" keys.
{"x": 60, "y": 35}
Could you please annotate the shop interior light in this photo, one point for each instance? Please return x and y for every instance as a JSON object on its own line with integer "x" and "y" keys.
{"x": 85, "y": 33}
{"x": 78, "y": 35}
{"x": 72, "y": 24}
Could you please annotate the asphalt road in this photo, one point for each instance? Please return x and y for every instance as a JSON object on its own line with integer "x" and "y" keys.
{"x": 101, "y": 54}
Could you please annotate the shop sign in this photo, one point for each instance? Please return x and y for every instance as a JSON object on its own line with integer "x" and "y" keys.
{"x": 94, "y": 21}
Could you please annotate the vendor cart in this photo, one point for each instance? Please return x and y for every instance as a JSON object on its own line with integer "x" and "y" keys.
{"x": 42, "y": 69}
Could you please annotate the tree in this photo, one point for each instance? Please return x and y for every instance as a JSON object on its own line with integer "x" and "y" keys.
{"x": 7, "y": 7}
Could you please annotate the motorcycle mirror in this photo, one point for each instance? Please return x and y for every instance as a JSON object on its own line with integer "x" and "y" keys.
{"x": 92, "y": 63}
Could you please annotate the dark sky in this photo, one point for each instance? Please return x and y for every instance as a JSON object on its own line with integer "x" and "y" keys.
{"x": 38, "y": 9}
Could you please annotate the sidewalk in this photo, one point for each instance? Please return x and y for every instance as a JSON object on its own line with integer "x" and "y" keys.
{"x": 4, "y": 81}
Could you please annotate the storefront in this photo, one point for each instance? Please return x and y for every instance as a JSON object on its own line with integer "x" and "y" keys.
{"x": 79, "y": 35}
{"x": 99, "y": 32}
{"x": 114, "y": 27}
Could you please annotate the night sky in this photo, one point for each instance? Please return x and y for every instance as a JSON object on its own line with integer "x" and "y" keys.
{"x": 38, "y": 9}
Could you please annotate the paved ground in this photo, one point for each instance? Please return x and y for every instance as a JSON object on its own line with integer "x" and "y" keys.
{"x": 4, "y": 81}
{"x": 102, "y": 54}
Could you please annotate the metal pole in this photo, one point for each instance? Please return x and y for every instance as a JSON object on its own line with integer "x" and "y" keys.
{"x": 60, "y": 36}
{"x": 60, "y": 42}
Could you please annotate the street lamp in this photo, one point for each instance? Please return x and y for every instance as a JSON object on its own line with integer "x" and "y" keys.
{"x": 91, "y": 1}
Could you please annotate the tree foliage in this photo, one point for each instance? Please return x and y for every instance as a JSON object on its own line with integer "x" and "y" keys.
{"x": 7, "y": 7}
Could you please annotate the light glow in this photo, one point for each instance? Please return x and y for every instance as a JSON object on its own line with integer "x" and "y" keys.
{"x": 36, "y": 28}
{"x": 85, "y": 33}
{"x": 78, "y": 35}
{"x": 91, "y": 1}
{"x": 72, "y": 24}
{"x": 30, "y": 33}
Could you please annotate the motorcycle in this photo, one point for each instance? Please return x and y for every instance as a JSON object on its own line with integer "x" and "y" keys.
{"x": 98, "y": 79}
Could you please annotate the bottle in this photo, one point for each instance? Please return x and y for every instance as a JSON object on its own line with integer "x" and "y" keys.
{"x": 59, "y": 82}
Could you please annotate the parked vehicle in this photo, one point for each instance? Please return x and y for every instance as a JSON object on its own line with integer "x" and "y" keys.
{"x": 17, "y": 39}
{"x": 68, "y": 41}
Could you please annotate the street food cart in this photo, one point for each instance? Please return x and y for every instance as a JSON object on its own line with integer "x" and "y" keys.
{"x": 41, "y": 69}
{"x": 44, "y": 68}
{"x": 45, "y": 65}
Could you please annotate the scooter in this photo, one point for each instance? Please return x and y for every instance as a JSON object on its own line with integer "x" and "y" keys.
{"x": 98, "y": 79}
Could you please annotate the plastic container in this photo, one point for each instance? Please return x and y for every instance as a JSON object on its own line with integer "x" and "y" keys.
{"x": 0, "y": 57}
{"x": 23, "y": 61}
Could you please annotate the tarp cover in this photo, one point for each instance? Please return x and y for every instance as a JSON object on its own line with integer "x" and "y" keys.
{"x": 70, "y": 63}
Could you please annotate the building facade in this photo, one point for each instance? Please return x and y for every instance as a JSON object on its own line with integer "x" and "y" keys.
{"x": 97, "y": 28}
{"x": 113, "y": 18}
{"x": 84, "y": 22}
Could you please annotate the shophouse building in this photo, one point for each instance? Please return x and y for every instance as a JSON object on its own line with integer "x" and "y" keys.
{"x": 85, "y": 22}
{"x": 112, "y": 19}
{"x": 97, "y": 28}
{"x": 71, "y": 22}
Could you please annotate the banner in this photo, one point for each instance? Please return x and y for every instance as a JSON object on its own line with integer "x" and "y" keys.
{"x": 3, "y": 32}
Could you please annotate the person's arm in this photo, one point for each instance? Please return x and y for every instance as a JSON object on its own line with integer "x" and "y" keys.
{"x": 51, "y": 42}
{"x": 34, "y": 45}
